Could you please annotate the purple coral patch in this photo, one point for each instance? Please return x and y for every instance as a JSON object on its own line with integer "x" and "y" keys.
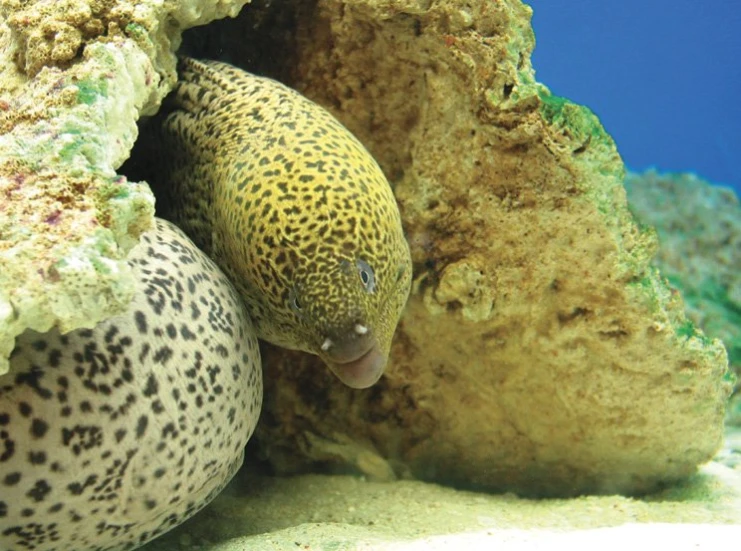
{"x": 54, "y": 217}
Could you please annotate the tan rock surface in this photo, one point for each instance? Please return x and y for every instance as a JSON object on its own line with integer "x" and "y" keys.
{"x": 539, "y": 352}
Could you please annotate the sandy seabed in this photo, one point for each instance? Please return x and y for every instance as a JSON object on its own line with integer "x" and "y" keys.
{"x": 318, "y": 512}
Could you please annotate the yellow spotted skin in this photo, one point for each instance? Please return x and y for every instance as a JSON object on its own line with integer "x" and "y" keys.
{"x": 289, "y": 204}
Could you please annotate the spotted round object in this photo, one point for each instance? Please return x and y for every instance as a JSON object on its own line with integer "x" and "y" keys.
{"x": 293, "y": 208}
{"x": 112, "y": 436}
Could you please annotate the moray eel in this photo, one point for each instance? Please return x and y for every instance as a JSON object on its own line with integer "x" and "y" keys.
{"x": 292, "y": 207}
{"x": 112, "y": 436}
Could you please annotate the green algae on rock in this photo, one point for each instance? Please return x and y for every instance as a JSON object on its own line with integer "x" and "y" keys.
{"x": 699, "y": 228}
{"x": 75, "y": 77}
{"x": 540, "y": 352}
{"x": 67, "y": 219}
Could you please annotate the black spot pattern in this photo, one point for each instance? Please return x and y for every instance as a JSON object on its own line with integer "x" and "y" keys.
{"x": 102, "y": 445}
{"x": 293, "y": 200}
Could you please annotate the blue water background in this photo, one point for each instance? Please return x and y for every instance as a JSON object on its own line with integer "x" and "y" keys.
{"x": 664, "y": 77}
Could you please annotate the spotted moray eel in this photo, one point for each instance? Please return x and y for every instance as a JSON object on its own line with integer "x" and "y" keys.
{"x": 293, "y": 208}
{"x": 113, "y": 435}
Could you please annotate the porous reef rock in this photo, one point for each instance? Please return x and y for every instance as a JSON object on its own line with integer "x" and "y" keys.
{"x": 699, "y": 228}
{"x": 75, "y": 76}
{"x": 540, "y": 351}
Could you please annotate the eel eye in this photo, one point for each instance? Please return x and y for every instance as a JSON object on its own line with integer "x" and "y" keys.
{"x": 294, "y": 302}
{"x": 366, "y": 276}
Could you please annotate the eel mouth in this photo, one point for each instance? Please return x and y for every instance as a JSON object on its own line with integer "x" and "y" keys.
{"x": 362, "y": 371}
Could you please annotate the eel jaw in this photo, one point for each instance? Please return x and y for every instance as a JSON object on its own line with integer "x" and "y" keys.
{"x": 355, "y": 358}
{"x": 362, "y": 371}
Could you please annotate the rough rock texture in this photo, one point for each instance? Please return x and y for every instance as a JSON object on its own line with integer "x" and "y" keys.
{"x": 699, "y": 228}
{"x": 540, "y": 351}
{"x": 75, "y": 76}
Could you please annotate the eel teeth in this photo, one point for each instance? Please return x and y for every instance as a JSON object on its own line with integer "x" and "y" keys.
{"x": 361, "y": 329}
{"x": 326, "y": 344}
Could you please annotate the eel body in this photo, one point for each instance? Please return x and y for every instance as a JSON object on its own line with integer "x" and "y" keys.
{"x": 112, "y": 436}
{"x": 293, "y": 208}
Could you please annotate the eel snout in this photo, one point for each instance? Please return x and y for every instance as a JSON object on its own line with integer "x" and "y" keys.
{"x": 357, "y": 359}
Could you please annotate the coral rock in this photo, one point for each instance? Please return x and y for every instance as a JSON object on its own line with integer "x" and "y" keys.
{"x": 540, "y": 352}
{"x": 74, "y": 78}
